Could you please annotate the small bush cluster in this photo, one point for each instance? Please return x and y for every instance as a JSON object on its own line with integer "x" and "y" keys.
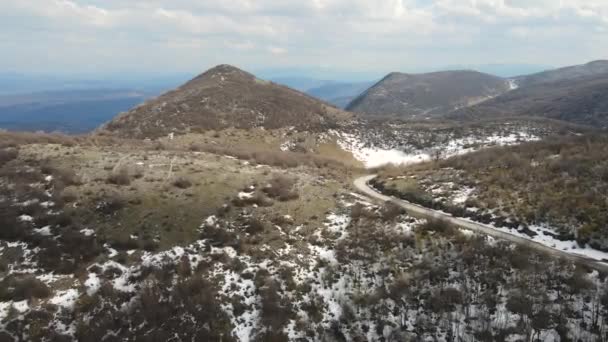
{"x": 8, "y": 154}
{"x": 119, "y": 176}
{"x": 182, "y": 183}
{"x": 14, "y": 139}
{"x": 281, "y": 187}
{"x": 275, "y": 158}
{"x": 20, "y": 288}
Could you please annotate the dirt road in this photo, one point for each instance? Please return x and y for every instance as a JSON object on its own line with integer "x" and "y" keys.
{"x": 362, "y": 185}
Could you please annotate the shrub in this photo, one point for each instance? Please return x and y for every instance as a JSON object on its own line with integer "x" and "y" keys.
{"x": 110, "y": 204}
{"x": 119, "y": 176}
{"x": 258, "y": 199}
{"x": 221, "y": 237}
{"x": 438, "y": 226}
{"x": 182, "y": 183}
{"x": 281, "y": 187}
{"x": 391, "y": 211}
{"x": 10, "y": 228}
{"x": 17, "y": 289}
{"x": 123, "y": 242}
{"x": 67, "y": 176}
{"x": 254, "y": 226}
{"x": 69, "y": 195}
{"x": 7, "y": 155}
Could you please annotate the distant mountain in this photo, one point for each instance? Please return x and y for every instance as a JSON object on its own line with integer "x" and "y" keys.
{"x": 301, "y": 83}
{"x": 68, "y": 111}
{"x": 12, "y": 83}
{"x": 501, "y": 70}
{"x": 427, "y": 95}
{"x": 567, "y": 73}
{"x": 339, "y": 94}
{"x": 224, "y": 97}
{"x": 582, "y": 100}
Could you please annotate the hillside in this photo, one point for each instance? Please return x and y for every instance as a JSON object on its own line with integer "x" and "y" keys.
{"x": 552, "y": 190}
{"x": 580, "y": 101}
{"x": 427, "y": 95}
{"x": 107, "y": 238}
{"x": 223, "y": 97}
{"x": 567, "y": 73}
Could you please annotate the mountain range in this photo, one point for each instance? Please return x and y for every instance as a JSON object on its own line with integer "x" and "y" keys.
{"x": 574, "y": 94}
{"x": 427, "y": 95}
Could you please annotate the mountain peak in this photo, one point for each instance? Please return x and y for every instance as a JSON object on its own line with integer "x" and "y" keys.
{"x": 222, "y": 97}
{"x": 224, "y": 69}
{"x": 598, "y": 62}
{"x": 221, "y": 73}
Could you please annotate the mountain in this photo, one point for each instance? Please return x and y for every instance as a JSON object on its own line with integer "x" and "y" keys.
{"x": 339, "y": 93}
{"x": 68, "y": 111}
{"x": 427, "y": 95}
{"x": 302, "y": 84}
{"x": 12, "y": 83}
{"x": 502, "y": 70}
{"x": 567, "y": 73}
{"x": 223, "y": 97}
{"x": 580, "y": 101}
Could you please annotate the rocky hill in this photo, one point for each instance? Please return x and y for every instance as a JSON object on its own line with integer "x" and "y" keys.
{"x": 580, "y": 101}
{"x": 428, "y": 95}
{"x": 567, "y": 73}
{"x": 223, "y": 97}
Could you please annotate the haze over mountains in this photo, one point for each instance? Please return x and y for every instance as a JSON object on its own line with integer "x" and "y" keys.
{"x": 72, "y": 111}
{"x": 70, "y": 104}
{"x": 459, "y": 95}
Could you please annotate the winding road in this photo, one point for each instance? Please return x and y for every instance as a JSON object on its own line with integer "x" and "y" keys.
{"x": 361, "y": 184}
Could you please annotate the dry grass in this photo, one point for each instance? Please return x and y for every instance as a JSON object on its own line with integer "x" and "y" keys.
{"x": 8, "y": 154}
{"x": 281, "y": 187}
{"x": 14, "y": 139}
{"x": 119, "y": 176}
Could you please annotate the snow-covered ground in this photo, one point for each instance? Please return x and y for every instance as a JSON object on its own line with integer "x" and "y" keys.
{"x": 571, "y": 247}
{"x": 374, "y": 156}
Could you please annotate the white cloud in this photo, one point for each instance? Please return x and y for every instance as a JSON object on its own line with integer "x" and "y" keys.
{"x": 275, "y": 50}
{"x": 356, "y": 34}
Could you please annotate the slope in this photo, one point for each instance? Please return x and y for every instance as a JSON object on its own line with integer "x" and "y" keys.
{"x": 581, "y": 101}
{"x": 224, "y": 97}
{"x": 432, "y": 94}
{"x": 567, "y": 73}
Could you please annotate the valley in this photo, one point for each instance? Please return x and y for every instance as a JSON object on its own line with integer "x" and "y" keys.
{"x": 237, "y": 209}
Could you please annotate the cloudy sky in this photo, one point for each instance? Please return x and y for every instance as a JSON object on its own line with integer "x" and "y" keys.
{"x": 358, "y": 35}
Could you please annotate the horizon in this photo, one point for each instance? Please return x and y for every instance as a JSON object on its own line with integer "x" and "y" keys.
{"x": 91, "y": 37}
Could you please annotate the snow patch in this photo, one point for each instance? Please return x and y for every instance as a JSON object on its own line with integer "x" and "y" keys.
{"x": 66, "y": 298}
{"x": 92, "y": 284}
{"x": 87, "y": 232}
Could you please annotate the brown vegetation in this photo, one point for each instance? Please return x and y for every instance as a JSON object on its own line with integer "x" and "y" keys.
{"x": 20, "y": 288}
{"x": 281, "y": 187}
{"x": 182, "y": 183}
{"x": 119, "y": 176}
{"x": 225, "y": 97}
{"x": 561, "y": 181}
